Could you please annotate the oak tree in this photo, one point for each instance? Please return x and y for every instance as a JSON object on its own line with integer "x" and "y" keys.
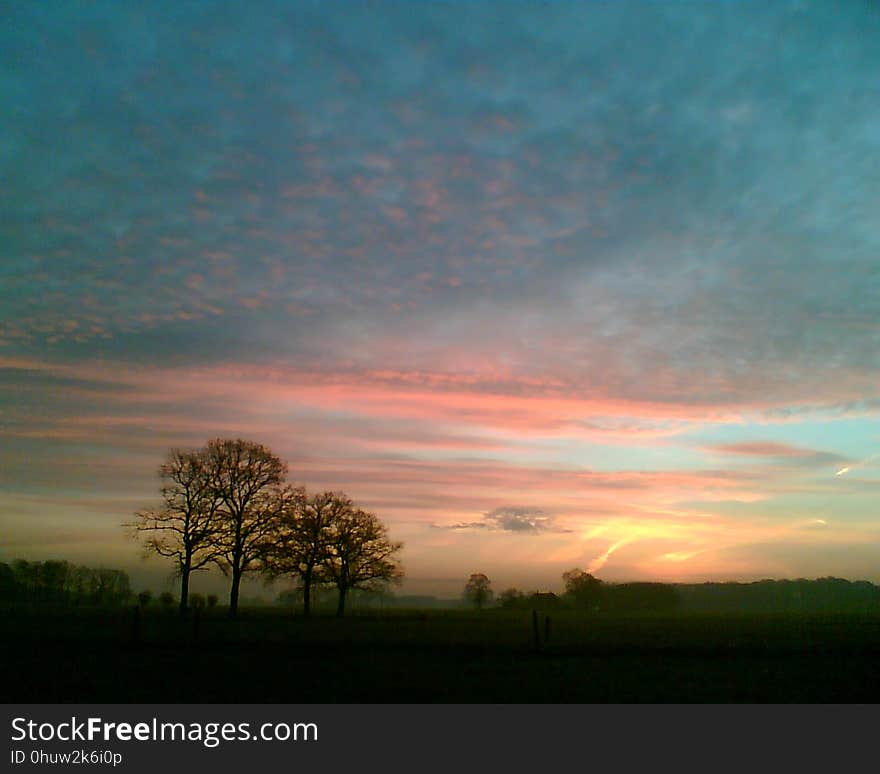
{"x": 302, "y": 544}
{"x": 359, "y": 554}
{"x": 185, "y": 526}
{"x": 247, "y": 480}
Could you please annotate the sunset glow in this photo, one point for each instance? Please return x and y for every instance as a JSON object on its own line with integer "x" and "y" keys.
{"x": 510, "y": 275}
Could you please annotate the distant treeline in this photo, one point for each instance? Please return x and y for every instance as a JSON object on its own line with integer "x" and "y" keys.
{"x": 62, "y": 583}
{"x": 822, "y": 595}
{"x": 586, "y": 592}
{"x": 608, "y": 597}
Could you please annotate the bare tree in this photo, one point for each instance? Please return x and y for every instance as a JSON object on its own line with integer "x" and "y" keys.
{"x": 478, "y": 590}
{"x": 303, "y": 540}
{"x": 184, "y": 527}
{"x": 247, "y": 480}
{"x": 359, "y": 553}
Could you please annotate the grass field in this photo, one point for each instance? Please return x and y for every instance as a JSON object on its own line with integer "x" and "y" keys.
{"x": 438, "y": 656}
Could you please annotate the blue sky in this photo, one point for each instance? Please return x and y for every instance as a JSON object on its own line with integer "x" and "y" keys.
{"x": 588, "y": 259}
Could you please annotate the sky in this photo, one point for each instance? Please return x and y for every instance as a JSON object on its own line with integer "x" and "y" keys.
{"x": 543, "y": 285}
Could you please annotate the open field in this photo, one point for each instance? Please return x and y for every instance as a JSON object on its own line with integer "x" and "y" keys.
{"x": 440, "y": 656}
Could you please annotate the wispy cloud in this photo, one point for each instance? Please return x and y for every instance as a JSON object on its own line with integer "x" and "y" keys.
{"x": 519, "y": 519}
{"x": 770, "y": 451}
{"x": 762, "y": 449}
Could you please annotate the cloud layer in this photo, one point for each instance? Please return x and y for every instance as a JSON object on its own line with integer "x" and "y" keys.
{"x": 597, "y": 260}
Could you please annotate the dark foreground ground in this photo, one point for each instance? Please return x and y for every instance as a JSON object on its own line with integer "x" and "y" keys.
{"x": 437, "y": 657}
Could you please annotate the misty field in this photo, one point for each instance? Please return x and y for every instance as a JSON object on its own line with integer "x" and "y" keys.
{"x": 438, "y": 656}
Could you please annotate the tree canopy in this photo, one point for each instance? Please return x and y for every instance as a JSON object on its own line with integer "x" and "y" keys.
{"x": 582, "y": 588}
{"x": 185, "y": 525}
{"x": 359, "y": 553}
{"x": 247, "y": 480}
{"x": 478, "y": 590}
{"x": 228, "y": 504}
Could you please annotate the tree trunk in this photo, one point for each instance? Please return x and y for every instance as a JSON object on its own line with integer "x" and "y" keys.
{"x": 307, "y": 593}
{"x": 340, "y": 606}
{"x": 233, "y": 592}
{"x": 184, "y": 590}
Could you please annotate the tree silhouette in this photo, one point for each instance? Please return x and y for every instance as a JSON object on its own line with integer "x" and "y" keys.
{"x": 52, "y": 581}
{"x": 304, "y": 537}
{"x": 7, "y": 582}
{"x": 511, "y": 597}
{"x": 478, "y": 590}
{"x": 110, "y": 587}
{"x": 582, "y": 587}
{"x": 359, "y": 553}
{"x": 246, "y": 478}
{"x": 185, "y": 526}
{"x": 55, "y": 582}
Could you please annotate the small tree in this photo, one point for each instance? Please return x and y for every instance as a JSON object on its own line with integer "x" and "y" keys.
{"x": 359, "y": 553}
{"x": 582, "y": 588}
{"x": 185, "y": 526}
{"x": 145, "y": 597}
{"x": 212, "y": 600}
{"x": 303, "y": 543}
{"x": 166, "y": 600}
{"x": 300, "y": 540}
{"x": 478, "y": 591}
